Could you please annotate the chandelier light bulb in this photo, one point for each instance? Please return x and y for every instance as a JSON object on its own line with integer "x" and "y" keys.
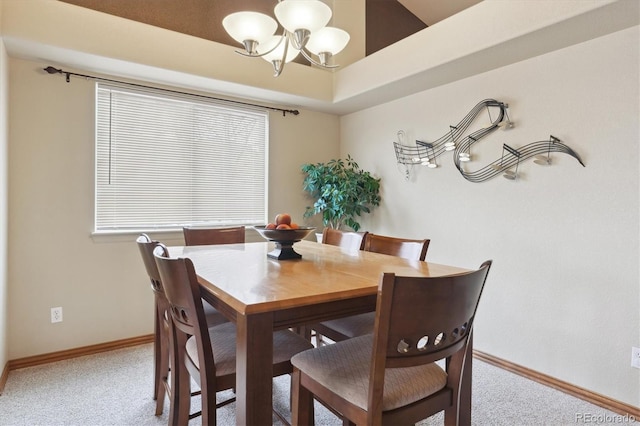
{"x": 250, "y": 27}
{"x": 310, "y": 15}
{"x": 278, "y": 51}
{"x": 273, "y": 51}
{"x": 327, "y": 40}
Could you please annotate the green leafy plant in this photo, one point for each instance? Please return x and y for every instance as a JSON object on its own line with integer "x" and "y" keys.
{"x": 341, "y": 190}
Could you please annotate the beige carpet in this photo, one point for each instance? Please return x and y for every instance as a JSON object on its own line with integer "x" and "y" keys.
{"x": 115, "y": 388}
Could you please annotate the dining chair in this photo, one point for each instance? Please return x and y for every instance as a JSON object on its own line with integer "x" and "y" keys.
{"x": 194, "y": 236}
{"x": 401, "y": 247}
{"x": 359, "y": 325}
{"x": 161, "y": 346}
{"x": 344, "y": 239}
{"x": 391, "y": 376}
{"x": 350, "y": 241}
{"x": 206, "y": 354}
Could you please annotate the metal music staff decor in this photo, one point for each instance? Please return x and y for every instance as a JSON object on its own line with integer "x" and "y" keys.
{"x": 511, "y": 158}
{"x": 426, "y": 153}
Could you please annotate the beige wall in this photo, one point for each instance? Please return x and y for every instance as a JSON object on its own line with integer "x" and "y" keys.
{"x": 550, "y": 304}
{"x": 563, "y": 296}
{"x": 53, "y": 260}
{"x": 4, "y": 113}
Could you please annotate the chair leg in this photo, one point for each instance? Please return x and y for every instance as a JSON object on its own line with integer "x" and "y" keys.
{"x": 302, "y": 402}
{"x": 162, "y": 362}
{"x": 208, "y": 397}
{"x": 156, "y": 355}
{"x": 459, "y": 372}
{"x": 180, "y": 394}
{"x": 451, "y": 416}
{"x": 306, "y": 332}
{"x": 163, "y": 385}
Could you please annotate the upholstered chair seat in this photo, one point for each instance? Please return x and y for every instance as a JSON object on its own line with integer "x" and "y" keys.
{"x": 344, "y": 369}
{"x": 223, "y": 343}
{"x": 349, "y": 327}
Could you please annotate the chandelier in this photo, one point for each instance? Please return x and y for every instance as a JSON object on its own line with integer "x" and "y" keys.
{"x": 305, "y": 32}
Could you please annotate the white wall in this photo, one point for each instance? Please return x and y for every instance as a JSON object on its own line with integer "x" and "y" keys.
{"x": 53, "y": 261}
{"x": 563, "y": 295}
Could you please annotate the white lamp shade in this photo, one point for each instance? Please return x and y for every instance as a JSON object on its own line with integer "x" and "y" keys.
{"x": 277, "y": 53}
{"x": 250, "y": 26}
{"x": 302, "y": 14}
{"x": 327, "y": 39}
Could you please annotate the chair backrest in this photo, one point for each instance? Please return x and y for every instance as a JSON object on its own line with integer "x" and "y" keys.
{"x": 401, "y": 247}
{"x": 344, "y": 239}
{"x": 146, "y": 246}
{"x": 421, "y": 320}
{"x": 187, "y": 314}
{"x": 182, "y": 291}
{"x": 206, "y": 236}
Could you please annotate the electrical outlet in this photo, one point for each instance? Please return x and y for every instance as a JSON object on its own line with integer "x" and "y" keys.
{"x": 56, "y": 314}
{"x": 635, "y": 357}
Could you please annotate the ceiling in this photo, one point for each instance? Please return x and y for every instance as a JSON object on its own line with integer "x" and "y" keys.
{"x": 432, "y": 11}
{"x": 480, "y": 38}
{"x": 387, "y": 21}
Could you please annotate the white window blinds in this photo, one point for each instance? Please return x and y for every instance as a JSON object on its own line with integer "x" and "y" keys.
{"x": 164, "y": 161}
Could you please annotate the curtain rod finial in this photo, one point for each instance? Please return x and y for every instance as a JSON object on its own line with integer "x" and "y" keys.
{"x": 52, "y": 70}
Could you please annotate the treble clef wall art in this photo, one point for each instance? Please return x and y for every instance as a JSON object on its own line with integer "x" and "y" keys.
{"x": 427, "y": 153}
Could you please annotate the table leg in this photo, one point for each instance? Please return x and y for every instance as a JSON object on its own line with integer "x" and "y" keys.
{"x": 254, "y": 369}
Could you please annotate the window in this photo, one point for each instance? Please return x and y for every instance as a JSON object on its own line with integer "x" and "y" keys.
{"x": 168, "y": 160}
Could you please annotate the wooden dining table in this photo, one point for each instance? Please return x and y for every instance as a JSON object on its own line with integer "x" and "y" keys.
{"x": 261, "y": 294}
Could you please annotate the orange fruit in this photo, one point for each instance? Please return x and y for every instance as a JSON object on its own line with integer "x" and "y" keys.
{"x": 283, "y": 218}
{"x": 283, "y": 226}
{"x": 294, "y": 226}
{"x": 270, "y": 226}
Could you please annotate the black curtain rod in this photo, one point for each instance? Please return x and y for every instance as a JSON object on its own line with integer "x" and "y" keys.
{"x": 52, "y": 70}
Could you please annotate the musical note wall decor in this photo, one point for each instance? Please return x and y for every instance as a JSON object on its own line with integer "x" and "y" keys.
{"x": 426, "y": 153}
{"x": 514, "y": 156}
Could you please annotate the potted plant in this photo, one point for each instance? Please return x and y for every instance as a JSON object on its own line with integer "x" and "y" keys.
{"x": 342, "y": 192}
